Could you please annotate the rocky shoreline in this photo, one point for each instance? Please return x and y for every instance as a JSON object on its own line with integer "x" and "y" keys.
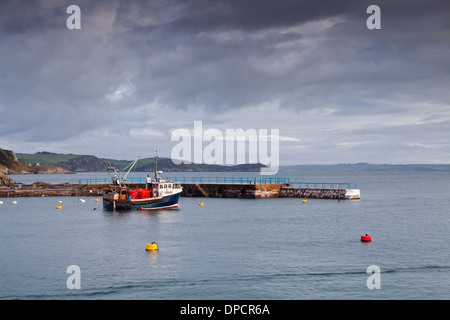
{"x": 5, "y": 180}
{"x": 9, "y": 164}
{"x": 44, "y": 189}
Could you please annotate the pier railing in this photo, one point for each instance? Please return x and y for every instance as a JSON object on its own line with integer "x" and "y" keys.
{"x": 228, "y": 180}
{"x": 323, "y": 185}
{"x": 232, "y": 180}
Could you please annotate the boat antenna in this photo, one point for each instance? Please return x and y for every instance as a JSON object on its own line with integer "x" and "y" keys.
{"x": 156, "y": 165}
{"x": 157, "y": 173}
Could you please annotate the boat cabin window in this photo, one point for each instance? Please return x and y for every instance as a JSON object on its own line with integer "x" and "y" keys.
{"x": 169, "y": 186}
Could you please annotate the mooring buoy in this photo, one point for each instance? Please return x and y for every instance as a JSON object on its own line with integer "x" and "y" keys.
{"x": 151, "y": 246}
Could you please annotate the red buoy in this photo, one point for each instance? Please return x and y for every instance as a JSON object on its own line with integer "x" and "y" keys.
{"x": 366, "y": 238}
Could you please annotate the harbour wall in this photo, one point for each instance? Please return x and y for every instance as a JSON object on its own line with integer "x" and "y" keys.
{"x": 259, "y": 191}
{"x": 213, "y": 190}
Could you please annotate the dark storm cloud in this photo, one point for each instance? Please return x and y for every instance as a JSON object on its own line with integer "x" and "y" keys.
{"x": 135, "y": 63}
{"x": 18, "y": 17}
{"x": 219, "y": 53}
{"x": 257, "y": 15}
{"x": 53, "y": 81}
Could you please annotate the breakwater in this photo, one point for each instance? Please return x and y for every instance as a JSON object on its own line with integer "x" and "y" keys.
{"x": 258, "y": 191}
{"x": 214, "y": 190}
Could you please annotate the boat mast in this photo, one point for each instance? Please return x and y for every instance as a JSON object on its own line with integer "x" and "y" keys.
{"x": 157, "y": 175}
{"x": 134, "y": 162}
{"x": 117, "y": 180}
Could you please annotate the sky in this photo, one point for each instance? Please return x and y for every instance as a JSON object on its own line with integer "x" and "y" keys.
{"x": 137, "y": 71}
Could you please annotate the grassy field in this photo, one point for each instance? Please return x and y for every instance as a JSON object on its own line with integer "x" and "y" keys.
{"x": 123, "y": 163}
{"x": 45, "y": 158}
{"x": 89, "y": 163}
{"x": 58, "y": 159}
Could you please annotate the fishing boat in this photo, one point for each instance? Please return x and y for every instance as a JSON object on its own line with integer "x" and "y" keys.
{"x": 158, "y": 193}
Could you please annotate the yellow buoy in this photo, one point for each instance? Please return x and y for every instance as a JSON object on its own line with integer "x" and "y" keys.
{"x": 304, "y": 201}
{"x": 201, "y": 203}
{"x": 1, "y": 202}
{"x": 151, "y": 246}
{"x": 58, "y": 207}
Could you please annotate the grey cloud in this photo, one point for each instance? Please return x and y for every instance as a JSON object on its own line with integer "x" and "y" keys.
{"x": 215, "y": 57}
{"x": 257, "y": 15}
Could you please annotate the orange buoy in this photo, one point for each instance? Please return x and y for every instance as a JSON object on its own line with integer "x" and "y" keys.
{"x": 96, "y": 200}
{"x": 366, "y": 238}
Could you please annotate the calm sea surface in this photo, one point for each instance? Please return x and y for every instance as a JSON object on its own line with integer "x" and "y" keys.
{"x": 263, "y": 249}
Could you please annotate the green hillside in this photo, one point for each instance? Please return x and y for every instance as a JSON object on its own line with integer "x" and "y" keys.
{"x": 141, "y": 163}
{"x": 89, "y": 163}
{"x": 45, "y": 158}
{"x": 73, "y": 162}
{"x": 10, "y": 164}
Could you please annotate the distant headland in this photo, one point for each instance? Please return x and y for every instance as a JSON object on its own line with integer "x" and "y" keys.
{"x": 56, "y": 163}
{"x": 49, "y": 162}
{"x": 10, "y": 164}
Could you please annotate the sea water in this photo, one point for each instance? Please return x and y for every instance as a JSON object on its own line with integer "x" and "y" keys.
{"x": 240, "y": 249}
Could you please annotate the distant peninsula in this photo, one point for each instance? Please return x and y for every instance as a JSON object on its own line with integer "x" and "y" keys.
{"x": 56, "y": 163}
{"x": 367, "y": 167}
{"x": 10, "y": 164}
{"x": 89, "y": 163}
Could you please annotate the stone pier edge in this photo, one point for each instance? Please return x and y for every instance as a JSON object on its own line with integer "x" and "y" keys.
{"x": 243, "y": 191}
